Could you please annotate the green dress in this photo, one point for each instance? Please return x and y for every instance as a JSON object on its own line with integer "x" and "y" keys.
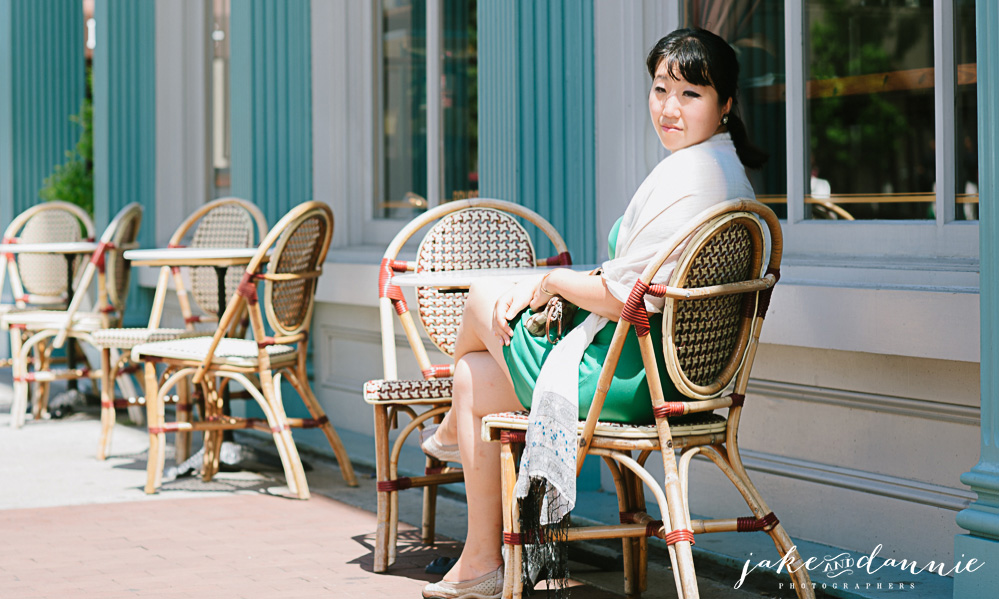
{"x": 628, "y": 399}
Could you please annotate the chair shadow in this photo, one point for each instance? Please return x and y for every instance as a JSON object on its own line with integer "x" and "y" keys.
{"x": 412, "y": 556}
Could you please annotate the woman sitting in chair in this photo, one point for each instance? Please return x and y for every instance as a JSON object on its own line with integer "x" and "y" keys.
{"x": 500, "y": 366}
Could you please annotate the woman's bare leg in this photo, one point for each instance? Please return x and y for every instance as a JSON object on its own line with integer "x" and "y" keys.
{"x": 481, "y": 386}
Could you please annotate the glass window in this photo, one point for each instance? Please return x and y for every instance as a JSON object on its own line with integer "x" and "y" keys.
{"x": 966, "y": 111}
{"x": 756, "y": 30}
{"x": 870, "y": 110}
{"x": 404, "y": 122}
{"x": 220, "y": 134}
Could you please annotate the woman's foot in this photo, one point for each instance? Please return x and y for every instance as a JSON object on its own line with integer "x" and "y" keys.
{"x": 435, "y": 449}
{"x": 487, "y": 586}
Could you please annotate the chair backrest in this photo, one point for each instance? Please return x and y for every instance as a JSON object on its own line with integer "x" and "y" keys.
{"x": 221, "y": 223}
{"x": 466, "y": 234}
{"x": 705, "y": 340}
{"x": 300, "y": 241}
{"x": 122, "y": 234}
{"x": 471, "y": 238}
{"x": 41, "y": 278}
{"x": 112, "y": 270}
{"x": 293, "y": 252}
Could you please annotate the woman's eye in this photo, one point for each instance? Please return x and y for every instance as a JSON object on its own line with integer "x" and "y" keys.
{"x": 691, "y": 94}
{"x": 660, "y": 90}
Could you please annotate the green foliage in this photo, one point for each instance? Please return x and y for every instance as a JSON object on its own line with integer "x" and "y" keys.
{"x": 73, "y": 181}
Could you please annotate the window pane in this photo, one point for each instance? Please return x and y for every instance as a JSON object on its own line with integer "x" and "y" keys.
{"x": 404, "y": 109}
{"x": 460, "y": 101}
{"x": 220, "y": 134}
{"x": 870, "y": 108}
{"x": 966, "y": 111}
{"x": 756, "y": 30}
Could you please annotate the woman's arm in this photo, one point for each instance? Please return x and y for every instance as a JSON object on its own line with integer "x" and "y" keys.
{"x": 587, "y": 291}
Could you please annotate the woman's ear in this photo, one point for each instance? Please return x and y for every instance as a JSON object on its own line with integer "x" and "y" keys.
{"x": 727, "y": 107}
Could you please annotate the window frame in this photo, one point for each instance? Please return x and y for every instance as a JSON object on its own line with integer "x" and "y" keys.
{"x": 930, "y": 243}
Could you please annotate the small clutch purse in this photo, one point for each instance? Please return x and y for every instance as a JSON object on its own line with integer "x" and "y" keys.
{"x": 554, "y": 320}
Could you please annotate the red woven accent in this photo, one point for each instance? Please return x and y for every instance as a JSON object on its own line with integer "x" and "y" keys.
{"x": 738, "y": 399}
{"x": 399, "y": 484}
{"x": 386, "y": 289}
{"x": 437, "y": 371}
{"x": 278, "y": 429}
{"x": 28, "y": 378}
{"x": 17, "y": 325}
{"x": 108, "y": 309}
{"x": 512, "y": 436}
{"x": 764, "y": 303}
{"x": 8, "y": 255}
{"x": 168, "y": 427}
{"x": 314, "y": 422}
{"x": 513, "y": 538}
{"x": 184, "y": 407}
{"x": 173, "y": 246}
{"x": 754, "y": 524}
{"x": 175, "y": 270}
{"x": 563, "y": 259}
{"x": 652, "y": 528}
{"x": 634, "y": 309}
{"x": 130, "y": 369}
{"x": 680, "y": 535}
{"x": 670, "y": 408}
{"x": 23, "y": 298}
{"x": 192, "y": 319}
{"x": 657, "y": 290}
{"x": 627, "y": 517}
{"x": 248, "y": 288}
{"x": 98, "y": 258}
{"x": 265, "y": 342}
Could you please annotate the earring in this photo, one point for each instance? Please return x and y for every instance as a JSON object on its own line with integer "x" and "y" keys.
{"x": 724, "y": 119}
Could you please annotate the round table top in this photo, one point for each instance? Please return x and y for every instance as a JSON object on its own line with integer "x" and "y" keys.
{"x": 191, "y": 256}
{"x": 461, "y": 279}
{"x": 57, "y": 247}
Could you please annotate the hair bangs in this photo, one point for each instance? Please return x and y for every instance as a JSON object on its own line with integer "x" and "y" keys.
{"x": 688, "y": 60}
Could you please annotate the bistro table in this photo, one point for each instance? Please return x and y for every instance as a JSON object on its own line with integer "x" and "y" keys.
{"x": 462, "y": 279}
{"x": 220, "y": 259}
{"x": 69, "y": 249}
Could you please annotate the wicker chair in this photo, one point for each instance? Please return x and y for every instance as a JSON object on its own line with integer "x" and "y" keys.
{"x": 226, "y": 222}
{"x": 39, "y": 280}
{"x": 716, "y": 300}
{"x": 48, "y": 329}
{"x": 293, "y": 252}
{"x": 466, "y": 234}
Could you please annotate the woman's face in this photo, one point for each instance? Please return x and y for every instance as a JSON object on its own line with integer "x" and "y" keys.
{"x": 684, "y": 114}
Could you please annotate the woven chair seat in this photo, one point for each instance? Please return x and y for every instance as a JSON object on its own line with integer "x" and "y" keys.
{"x": 692, "y": 424}
{"x": 426, "y": 392}
{"x": 234, "y": 352}
{"x": 36, "y": 320}
{"x": 130, "y": 337}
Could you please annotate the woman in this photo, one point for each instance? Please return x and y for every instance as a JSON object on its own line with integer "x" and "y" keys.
{"x": 499, "y": 366}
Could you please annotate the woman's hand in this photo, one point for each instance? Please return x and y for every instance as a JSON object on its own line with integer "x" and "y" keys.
{"x": 508, "y": 306}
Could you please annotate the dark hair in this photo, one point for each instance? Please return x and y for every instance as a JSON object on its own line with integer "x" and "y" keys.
{"x": 703, "y": 58}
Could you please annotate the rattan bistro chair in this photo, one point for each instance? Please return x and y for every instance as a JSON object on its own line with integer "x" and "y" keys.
{"x": 466, "y": 234}
{"x": 48, "y": 329}
{"x": 222, "y": 223}
{"x": 39, "y": 280}
{"x": 717, "y": 297}
{"x": 293, "y": 253}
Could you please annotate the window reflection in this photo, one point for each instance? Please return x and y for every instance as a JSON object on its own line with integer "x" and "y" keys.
{"x": 404, "y": 118}
{"x": 966, "y": 111}
{"x": 870, "y": 108}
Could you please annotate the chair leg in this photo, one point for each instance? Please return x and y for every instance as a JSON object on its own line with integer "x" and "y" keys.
{"x": 107, "y": 404}
{"x": 40, "y": 402}
{"x": 182, "y": 440}
{"x": 513, "y": 568}
{"x": 673, "y": 512}
{"x": 382, "y": 533}
{"x": 213, "y": 438}
{"x": 301, "y": 383}
{"x": 294, "y": 472}
{"x": 19, "y": 369}
{"x": 154, "y": 420}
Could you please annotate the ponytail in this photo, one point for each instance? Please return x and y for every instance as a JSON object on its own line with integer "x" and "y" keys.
{"x": 749, "y": 154}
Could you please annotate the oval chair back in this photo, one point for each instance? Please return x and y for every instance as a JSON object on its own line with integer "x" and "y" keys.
{"x": 471, "y": 238}
{"x": 42, "y": 278}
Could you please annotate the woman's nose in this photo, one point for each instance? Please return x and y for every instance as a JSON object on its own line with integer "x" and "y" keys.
{"x": 671, "y": 106}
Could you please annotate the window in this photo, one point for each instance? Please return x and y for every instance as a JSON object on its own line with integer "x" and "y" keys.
{"x": 221, "y": 140}
{"x": 428, "y": 126}
{"x": 875, "y": 121}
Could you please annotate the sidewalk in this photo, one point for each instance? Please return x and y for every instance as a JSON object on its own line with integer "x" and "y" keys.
{"x": 79, "y": 528}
